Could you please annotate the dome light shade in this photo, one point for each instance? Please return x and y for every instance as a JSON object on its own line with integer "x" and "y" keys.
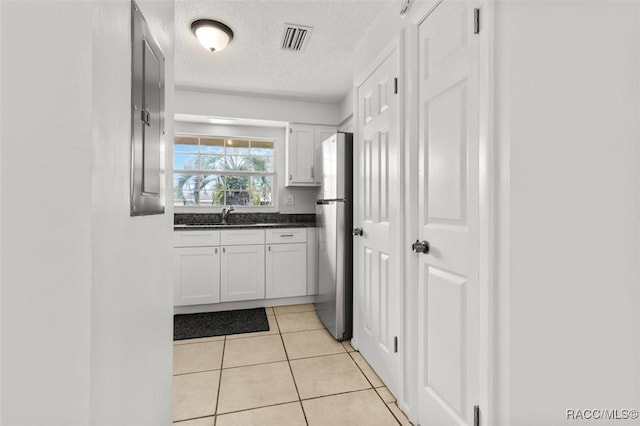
{"x": 213, "y": 35}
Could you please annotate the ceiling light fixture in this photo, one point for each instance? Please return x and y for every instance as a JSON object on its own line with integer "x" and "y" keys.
{"x": 213, "y": 35}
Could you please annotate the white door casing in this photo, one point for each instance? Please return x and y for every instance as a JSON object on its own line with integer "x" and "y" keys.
{"x": 448, "y": 188}
{"x": 377, "y": 255}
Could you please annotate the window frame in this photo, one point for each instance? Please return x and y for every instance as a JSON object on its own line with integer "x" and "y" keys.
{"x": 216, "y": 209}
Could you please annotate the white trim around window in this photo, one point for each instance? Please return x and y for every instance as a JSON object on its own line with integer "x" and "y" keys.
{"x": 218, "y": 145}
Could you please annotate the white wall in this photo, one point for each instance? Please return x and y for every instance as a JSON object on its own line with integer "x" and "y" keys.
{"x": 346, "y": 113}
{"x": 253, "y": 107}
{"x": 567, "y": 120}
{"x": 86, "y": 303}
{"x": 1, "y": 275}
{"x": 386, "y": 26}
{"x": 132, "y": 293}
{"x": 304, "y": 198}
{"x": 260, "y": 108}
{"x": 46, "y": 217}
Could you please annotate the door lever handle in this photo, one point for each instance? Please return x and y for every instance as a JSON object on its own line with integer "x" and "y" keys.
{"x": 358, "y": 232}
{"x": 420, "y": 247}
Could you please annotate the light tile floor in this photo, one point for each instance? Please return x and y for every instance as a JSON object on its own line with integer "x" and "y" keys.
{"x": 293, "y": 374}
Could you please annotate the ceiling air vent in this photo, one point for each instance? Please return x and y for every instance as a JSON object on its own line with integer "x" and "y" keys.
{"x": 295, "y": 37}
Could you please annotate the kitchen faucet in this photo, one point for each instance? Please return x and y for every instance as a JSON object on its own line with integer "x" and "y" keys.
{"x": 225, "y": 213}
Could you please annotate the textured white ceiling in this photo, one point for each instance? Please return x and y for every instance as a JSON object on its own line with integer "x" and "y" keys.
{"x": 254, "y": 63}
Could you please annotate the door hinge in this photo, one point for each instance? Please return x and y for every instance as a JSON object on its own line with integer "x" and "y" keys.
{"x": 395, "y": 85}
{"x": 476, "y": 415}
{"x": 476, "y": 21}
{"x": 395, "y": 344}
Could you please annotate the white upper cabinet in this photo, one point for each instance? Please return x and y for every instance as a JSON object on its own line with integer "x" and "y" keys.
{"x": 300, "y": 156}
{"x": 303, "y": 166}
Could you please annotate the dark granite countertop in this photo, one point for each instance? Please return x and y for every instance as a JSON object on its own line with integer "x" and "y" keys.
{"x": 202, "y": 227}
{"x": 208, "y": 221}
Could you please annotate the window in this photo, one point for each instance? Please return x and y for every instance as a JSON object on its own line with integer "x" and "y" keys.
{"x": 216, "y": 171}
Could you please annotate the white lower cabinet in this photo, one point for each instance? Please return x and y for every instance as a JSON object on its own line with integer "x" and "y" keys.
{"x": 286, "y": 270}
{"x": 196, "y": 275}
{"x": 236, "y": 265}
{"x": 242, "y": 273}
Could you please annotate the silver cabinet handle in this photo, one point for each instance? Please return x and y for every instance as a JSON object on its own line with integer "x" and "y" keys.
{"x": 286, "y": 235}
{"x": 216, "y": 251}
{"x": 269, "y": 248}
{"x": 223, "y": 250}
{"x": 290, "y": 177}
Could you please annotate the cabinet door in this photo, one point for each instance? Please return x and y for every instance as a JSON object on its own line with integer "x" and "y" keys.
{"x": 196, "y": 275}
{"x": 321, "y": 133}
{"x": 300, "y": 155}
{"x": 286, "y": 273}
{"x": 242, "y": 273}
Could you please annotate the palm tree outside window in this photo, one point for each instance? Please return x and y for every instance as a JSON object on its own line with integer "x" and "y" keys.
{"x": 218, "y": 171}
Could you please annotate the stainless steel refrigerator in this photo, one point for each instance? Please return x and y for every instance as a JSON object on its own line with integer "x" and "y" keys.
{"x": 334, "y": 207}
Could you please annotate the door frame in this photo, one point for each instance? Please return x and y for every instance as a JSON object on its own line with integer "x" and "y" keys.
{"x": 395, "y": 44}
{"x": 493, "y": 301}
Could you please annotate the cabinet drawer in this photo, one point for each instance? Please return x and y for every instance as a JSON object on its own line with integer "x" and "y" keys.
{"x": 286, "y": 235}
{"x": 240, "y": 237}
{"x": 196, "y": 238}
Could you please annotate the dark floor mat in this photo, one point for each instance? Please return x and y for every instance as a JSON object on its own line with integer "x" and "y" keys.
{"x": 209, "y": 324}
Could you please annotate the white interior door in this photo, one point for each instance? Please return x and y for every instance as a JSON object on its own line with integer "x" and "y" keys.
{"x": 376, "y": 252}
{"x": 448, "y": 215}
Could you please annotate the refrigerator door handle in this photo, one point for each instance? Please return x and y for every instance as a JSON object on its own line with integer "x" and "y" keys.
{"x": 331, "y": 200}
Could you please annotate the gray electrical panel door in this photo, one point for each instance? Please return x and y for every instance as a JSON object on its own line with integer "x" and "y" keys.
{"x": 147, "y": 119}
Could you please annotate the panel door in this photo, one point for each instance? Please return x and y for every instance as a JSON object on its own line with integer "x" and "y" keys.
{"x": 377, "y": 253}
{"x": 300, "y": 155}
{"x": 286, "y": 270}
{"x": 196, "y": 275}
{"x": 448, "y": 215}
{"x": 242, "y": 273}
